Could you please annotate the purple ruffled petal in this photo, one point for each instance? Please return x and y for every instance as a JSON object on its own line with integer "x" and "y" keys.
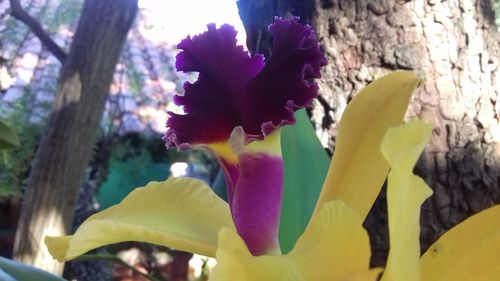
{"x": 285, "y": 84}
{"x": 234, "y": 89}
{"x": 211, "y": 103}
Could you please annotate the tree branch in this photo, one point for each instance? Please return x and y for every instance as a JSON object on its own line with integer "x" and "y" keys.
{"x": 18, "y": 12}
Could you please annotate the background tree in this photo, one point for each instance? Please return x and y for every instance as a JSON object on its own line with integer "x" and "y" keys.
{"x": 454, "y": 45}
{"x": 65, "y": 150}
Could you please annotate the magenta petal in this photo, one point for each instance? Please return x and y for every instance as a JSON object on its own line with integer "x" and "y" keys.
{"x": 212, "y": 103}
{"x": 256, "y": 203}
{"x": 234, "y": 89}
{"x": 285, "y": 84}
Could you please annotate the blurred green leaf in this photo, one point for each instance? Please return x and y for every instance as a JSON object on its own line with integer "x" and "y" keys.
{"x": 8, "y": 139}
{"x": 6, "y": 277}
{"x": 125, "y": 176}
{"x": 219, "y": 185}
{"x": 306, "y": 165}
{"x": 22, "y": 272}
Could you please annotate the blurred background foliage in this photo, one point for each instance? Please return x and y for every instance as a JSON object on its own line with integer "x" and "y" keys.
{"x": 144, "y": 83}
{"x": 15, "y": 163}
{"x": 137, "y": 159}
{"x": 129, "y": 151}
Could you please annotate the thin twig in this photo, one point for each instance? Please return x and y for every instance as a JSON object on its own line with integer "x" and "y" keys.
{"x": 19, "y": 13}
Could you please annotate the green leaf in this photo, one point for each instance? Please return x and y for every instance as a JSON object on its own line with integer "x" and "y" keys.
{"x": 19, "y": 271}
{"x": 219, "y": 185}
{"x": 6, "y": 277}
{"x": 125, "y": 176}
{"x": 8, "y": 139}
{"x": 306, "y": 165}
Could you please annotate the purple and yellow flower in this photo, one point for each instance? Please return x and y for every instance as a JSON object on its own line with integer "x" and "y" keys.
{"x": 236, "y": 109}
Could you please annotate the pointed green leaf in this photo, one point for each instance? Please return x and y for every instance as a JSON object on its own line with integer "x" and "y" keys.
{"x": 306, "y": 164}
{"x": 8, "y": 139}
{"x": 20, "y": 271}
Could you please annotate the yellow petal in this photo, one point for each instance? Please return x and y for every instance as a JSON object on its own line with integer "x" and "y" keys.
{"x": 235, "y": 263}
{"x": 402, "y": 145}
{"x": 336, "y": 247}
{"x": 405, "y": 194}
{"x": 180, "y": 213}
{"x": 358, "y": 169}
{"x": 468, "y": 252}
{"x": 370, "y": 275}
{"x": 224, "y": 150}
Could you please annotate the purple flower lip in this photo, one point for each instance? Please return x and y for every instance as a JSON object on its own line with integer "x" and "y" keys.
{"x": 256, "y": 202}
{"x": 236, "y": 89}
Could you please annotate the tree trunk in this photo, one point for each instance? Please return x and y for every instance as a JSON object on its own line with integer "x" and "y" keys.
{"x": 66, "y": 148}
{"x": 455, "y": 46}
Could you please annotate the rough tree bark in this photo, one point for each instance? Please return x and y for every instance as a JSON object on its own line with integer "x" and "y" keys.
{"x": 65, "y": 150}
{"x": 455, "y": 46}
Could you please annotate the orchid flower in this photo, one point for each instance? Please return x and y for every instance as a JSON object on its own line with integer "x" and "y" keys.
{"x": 236, "y": 109}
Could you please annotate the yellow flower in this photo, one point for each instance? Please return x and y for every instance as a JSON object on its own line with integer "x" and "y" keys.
{"x": 185, "y": 214}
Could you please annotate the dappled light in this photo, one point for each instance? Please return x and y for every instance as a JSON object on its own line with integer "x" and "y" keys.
{"x": 52, "y": 223}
